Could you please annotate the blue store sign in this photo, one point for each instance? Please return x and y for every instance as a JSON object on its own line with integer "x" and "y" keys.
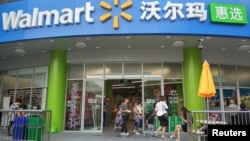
{"x": 35, "y": 19}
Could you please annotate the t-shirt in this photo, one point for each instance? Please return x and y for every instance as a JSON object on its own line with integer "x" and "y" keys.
{"x": 124, "y": 107}
{"x": 161, "y": 108}
{"x": 150, "y": 119}
{"x": 13, "y": 107}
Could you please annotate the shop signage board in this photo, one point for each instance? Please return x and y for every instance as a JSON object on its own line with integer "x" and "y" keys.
{"x": 25, "y": 19}
{"x": 228, "y": 13}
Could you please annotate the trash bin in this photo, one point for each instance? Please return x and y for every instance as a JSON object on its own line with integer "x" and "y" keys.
{"x": 35, "y": 128}
{"x": 19, "y": 128}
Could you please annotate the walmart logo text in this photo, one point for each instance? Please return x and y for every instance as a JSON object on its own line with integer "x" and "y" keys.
{"x": 20, "y": 19}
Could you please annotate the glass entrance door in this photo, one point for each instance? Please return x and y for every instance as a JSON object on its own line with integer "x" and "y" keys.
{"x": 152, "y": 89}
{"x": 93, "y": 106}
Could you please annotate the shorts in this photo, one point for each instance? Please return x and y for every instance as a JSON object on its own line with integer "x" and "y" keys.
{"x": 163, "y": 120}
{"x": 184, "y": 127}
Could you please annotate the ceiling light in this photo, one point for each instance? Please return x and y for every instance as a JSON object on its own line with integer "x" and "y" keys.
{"x": 244, "y": 47}
{"x": 244, "y": 40}
{"x": 177, "y": 44}
{"x": 81, "y": 45}
{"x": 162, "y": 46}
{"x": 20, "y": 51}
{"x": 128, "y": 37}
{"x": 97, "y": 47}
{"x": 167, "y": 37}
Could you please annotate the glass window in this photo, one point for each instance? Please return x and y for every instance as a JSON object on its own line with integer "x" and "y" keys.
{"x": 113, "y": 70}
{"x": 215, "y": 73}
{"x": 94, "y": 70}
{"x": 93, "y": 105}
{"x": 39, "y": 80}
{"x": 40, "y": 77}
{"x": 152, "y": 92}
{"x": 214, "y": 102}
{"x": 228, "y": 75}
{"x": 132, "y": 70}
{"x": 9, "y": 79}
{"x": 243, "y": 76}
{"x": 173, "y": 90}
{"x": 24, "y": 79}
{"x": 73, "y": 105}
{"x": 172, "y": 70}
{"x": 245, "y": 97}
{"x": 76, "y": 71}
{"x": 28, "y": 84}
{"x": 230, "y": 99}
{"x": 152, "y": 69}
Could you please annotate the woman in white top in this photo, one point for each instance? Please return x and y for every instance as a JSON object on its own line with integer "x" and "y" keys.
{"x": 160, "y": 109}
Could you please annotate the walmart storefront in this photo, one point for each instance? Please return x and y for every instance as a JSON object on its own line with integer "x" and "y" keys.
{"x": 80, "y": 58}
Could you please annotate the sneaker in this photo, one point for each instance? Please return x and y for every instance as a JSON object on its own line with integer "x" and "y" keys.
{"x": 137, "y": 133}
{"x": 123, "y": 134}
{"x": 172, "y": 137}
{"x": 127, "y": 134}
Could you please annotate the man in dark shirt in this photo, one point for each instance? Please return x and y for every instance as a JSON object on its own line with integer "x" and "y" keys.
{"x": 125, "y": 113}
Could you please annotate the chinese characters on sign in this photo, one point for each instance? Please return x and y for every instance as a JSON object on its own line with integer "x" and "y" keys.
{"x": 172, "y": 11}
{"x": 228, "y": 13}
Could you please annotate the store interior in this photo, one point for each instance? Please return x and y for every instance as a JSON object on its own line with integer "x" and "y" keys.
{"x": 115, "y": 90}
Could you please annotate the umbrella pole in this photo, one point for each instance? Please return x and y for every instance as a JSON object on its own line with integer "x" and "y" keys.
{"x": 207, "y": 104}
{"x": 207, "y": 107}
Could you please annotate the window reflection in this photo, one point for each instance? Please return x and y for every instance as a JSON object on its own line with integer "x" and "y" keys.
{"x": 214, "y": 102}
{"x": 245, "y": 97}
{"x": 152, "y": 69}
{"x": 29, "y": 84}
{"x": 230, "y": 99}
{"x": 172, "y": 70}
{"x": 73, "y": 105}
{"x": 228, "y": 75}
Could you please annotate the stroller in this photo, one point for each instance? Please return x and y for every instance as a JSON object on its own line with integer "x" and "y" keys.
{"x": 118, "y": 121}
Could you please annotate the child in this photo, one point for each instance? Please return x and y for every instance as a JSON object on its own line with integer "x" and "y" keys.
{"x": 118, "y": 119}
{"x": 150, "y": 124}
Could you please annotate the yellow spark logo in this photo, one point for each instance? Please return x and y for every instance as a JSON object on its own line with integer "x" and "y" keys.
{"x": 108, "y": 15}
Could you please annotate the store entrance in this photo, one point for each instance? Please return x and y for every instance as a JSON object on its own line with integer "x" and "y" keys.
{"x": 115, "y": 92}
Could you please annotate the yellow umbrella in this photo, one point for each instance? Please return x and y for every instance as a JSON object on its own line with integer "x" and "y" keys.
{"x": 206, "y": 87}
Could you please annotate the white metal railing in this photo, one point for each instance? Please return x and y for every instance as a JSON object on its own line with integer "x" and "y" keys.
{"x": 25, "y": 125}
{"x": 198, "y": 121}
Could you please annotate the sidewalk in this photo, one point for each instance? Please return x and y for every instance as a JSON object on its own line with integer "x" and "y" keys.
{"x": 111, "y": 136}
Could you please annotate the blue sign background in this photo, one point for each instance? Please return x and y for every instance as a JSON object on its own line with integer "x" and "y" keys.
{"x": 136, "y": 26}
